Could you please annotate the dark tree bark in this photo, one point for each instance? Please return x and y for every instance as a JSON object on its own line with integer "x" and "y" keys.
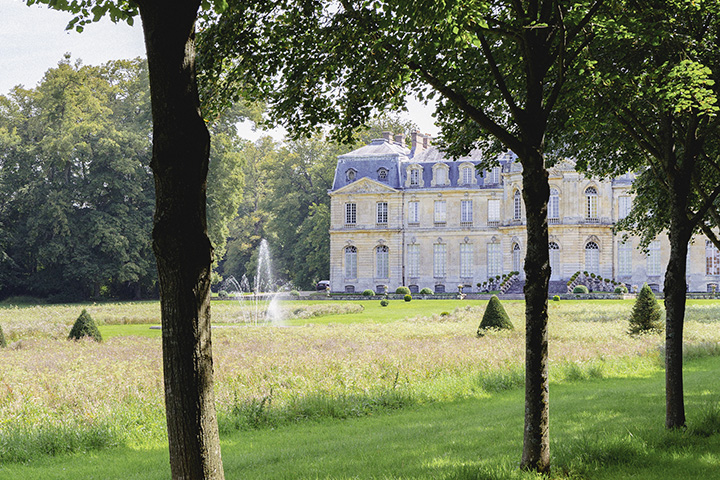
{"x": 680, "y": 231}
{"x": 536, "y": 438}
{"x": 181, "y": 146}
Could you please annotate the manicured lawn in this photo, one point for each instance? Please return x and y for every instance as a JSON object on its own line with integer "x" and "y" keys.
{"x": 601, "y": 429}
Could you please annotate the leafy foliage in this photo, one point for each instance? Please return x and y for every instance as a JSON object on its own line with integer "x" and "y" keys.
{"x": 495, "y": 316}
{"x": 384, "y": 303}
{"x": 580, "y": 289}
{"x": 76, "y": 193}
{"x": 85, "y": 327}
{"x": 3, "y": 342}
{"x": 402, "y": 290}
{"x": 368, "y": 293}
{"x": 646, "y": 314}
{"x": 407, "y": 297}
{"x": 426, "y": 291}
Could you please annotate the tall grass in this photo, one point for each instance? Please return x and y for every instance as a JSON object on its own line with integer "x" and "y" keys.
{"x": 111, "y": 393}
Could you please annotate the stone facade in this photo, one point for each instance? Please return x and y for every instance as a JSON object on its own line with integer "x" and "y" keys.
{"x": 412, "y": 217}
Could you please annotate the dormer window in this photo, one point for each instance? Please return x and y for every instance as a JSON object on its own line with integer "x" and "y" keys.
{"x": 467, "y": 174}
{"x": 382, "y": 174}
{"x": 414, "y": 174}
{"x": 350, "y": 175}
{"x": 441, "y": 175}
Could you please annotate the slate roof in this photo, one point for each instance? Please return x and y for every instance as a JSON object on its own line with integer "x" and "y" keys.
{"x": 367, "y": 161}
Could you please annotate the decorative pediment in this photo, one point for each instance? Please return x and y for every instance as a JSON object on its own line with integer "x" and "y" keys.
{"x": 562, "y": 167}
{"x": 365, "y": 185}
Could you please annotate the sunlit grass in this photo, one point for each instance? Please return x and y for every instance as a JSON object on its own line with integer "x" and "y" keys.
{"x": 111, "y": 393}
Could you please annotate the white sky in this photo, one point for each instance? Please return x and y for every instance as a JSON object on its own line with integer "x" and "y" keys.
{"x": 33, "y": 39}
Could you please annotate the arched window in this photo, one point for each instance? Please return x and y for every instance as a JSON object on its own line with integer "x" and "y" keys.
{"x": 350, "y": 262}
{"x": 592, "y": 257}
{"x": 382, "y": 174}
{"x": 517, "y": 205}
{"x": 712, "y": 259}
{"x": 517, "y": 257}
{"x": 414, "y": 177}
{"x": 591, "y": 196}
{"x": 554, "y": 260}
{"x": 350, "y": 175}
{"x": 554, "y": 206}
{"x": 381, "y": 262}
{"x": 467, "y": 174}
{"x": 440, "y": 175}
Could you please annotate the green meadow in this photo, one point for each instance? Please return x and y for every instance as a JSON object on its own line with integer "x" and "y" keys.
{"x": 354, "y": 390}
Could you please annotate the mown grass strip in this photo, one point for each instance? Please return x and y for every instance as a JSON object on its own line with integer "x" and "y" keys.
{"x": 601, "y": 429}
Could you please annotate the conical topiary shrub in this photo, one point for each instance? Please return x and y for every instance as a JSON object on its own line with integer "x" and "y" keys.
{"x": 3, "y": 343}
{"x": 495, "y": 317}
{"x": 646, "y": 314}
{"x": 85, "y": 327}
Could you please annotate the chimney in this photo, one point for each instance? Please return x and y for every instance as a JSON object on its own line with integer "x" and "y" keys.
{"x": 426, "y": 142}
{"x": 417, "y": 142}
{"x": 387, "y": 136}
{"x": 400, "y": 138}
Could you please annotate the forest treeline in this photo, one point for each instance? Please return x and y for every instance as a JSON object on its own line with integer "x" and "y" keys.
{"x": 77, "y": 193}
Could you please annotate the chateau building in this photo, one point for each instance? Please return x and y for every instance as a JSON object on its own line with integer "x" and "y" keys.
{"x": 412, "y": 217}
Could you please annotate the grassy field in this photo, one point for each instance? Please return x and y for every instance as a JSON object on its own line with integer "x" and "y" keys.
{"x": 336, "y": 371}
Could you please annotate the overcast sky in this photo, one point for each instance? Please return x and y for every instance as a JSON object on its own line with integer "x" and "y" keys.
{"x": 33, "y": 39}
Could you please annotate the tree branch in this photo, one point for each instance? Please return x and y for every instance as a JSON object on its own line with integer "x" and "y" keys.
{"x": 477, "y": 115}
{"x": 509, "y": 100}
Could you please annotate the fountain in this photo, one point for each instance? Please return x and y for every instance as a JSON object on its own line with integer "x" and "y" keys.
{"x": 260, "y": 304}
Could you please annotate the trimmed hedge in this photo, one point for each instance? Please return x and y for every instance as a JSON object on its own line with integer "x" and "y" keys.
{"x": 407, "y": 297}
{"x": 384, "y": 303}
{"x": 495, "y": 316}
{"x": 426, "y": 291}
{"x": 368, "y": 293}
{"x": 581, "y": 289}
{"x": 646, "y": 314}
{"x": 402, "y": 291}
{"x": 85, "y": 327}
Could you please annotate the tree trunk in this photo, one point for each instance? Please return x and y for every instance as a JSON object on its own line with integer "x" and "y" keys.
{"x": 181, "y": 145}
{"x": 675, "y": 295}
{"x": 536, "y": 191}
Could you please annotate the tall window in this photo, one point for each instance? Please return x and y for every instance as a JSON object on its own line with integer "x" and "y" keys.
{"x": 494, "y": 259}
{"x": 441, "y": 174}
{"x": 493, "y": 212}
{"x": 413, "y": 212}
{"x": 624, "y": 206}
{"x": 517, "y": 205}
{"x": 653, "y": 258}
{"x": 468, "y": 175}
{"x": 592, "y": 257}
{"x": 439, "y": 259}
{"x": 712, "y": 259}
{"x": 625, "y": 253}
{"x": 492, "y": 176}
{"x": 554, "y": 249}
{"x": 413, "y": 265}
{"x": 554, "y": 206}
{"x": 466, "y": 260}
{"x": 517, "y": 257}
{"x": 591, "y": 197}
{"x": 440, "y": 211}
{"x": 382, "y": 212}
{"x": 350, "y": 213}
{"x": 381, "y": 262}
{"x": 466, "y": 211}
{"x": 350, "y": 262}
{"x": 414, "y": 177}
